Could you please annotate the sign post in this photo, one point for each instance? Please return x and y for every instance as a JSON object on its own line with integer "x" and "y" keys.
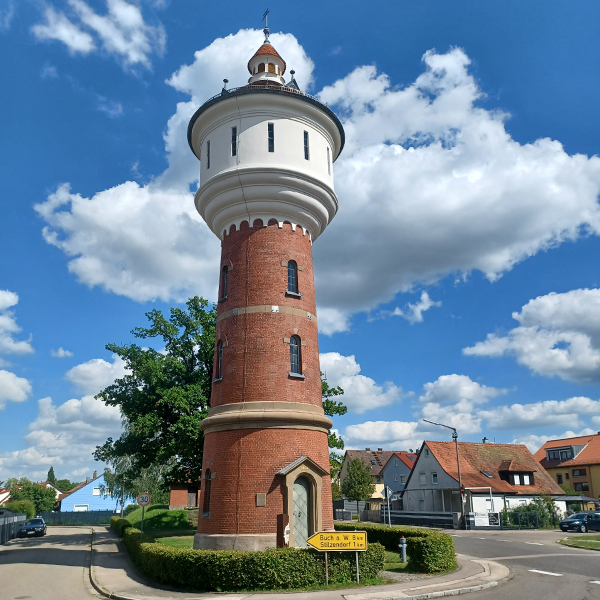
{"x": 339, "y": 541}
{"x": 143, "y": 500}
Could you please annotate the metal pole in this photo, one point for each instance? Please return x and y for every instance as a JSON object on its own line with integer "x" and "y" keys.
{"x": 357, "y": 573}
{"x": 462, "y": 504}
{"x": 387, "y": 491}
{"x": 142, "y": 531}
{"x": 326, "y": 570}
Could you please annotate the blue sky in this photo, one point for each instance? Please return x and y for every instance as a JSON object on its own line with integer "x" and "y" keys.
{"x": 458, "y": 282}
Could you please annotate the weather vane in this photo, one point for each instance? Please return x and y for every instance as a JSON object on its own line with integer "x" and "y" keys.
{"x": 266, "y": 29}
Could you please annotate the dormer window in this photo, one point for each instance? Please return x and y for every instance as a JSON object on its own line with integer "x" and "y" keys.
{"x": 488, "y": 475}
{"x": 559, "y": 454}
{"x": 373, "y": 462}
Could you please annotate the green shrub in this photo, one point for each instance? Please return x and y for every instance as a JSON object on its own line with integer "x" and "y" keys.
{"x": 221, "y": 570}
{"x": 21, "y": 506}
{"x": 119, "y": 525}
{"x": 129, "y": 509}
{"x": 428, "y": 551}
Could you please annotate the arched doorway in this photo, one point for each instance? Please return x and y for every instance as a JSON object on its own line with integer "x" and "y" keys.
{"x": 302, "y": 508}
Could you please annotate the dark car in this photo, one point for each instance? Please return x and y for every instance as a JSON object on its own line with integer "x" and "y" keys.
{"x": 32, "y": 527}
{"x": 582, "y": 522}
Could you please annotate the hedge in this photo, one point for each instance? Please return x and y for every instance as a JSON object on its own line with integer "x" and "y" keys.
{"x": 428, "y": 551}
{"x": 222, "y": 570}
{"x": 119, "y": 525}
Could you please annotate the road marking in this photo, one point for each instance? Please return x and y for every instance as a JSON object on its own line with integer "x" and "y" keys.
{"x": 534, "y": 543}
{"x": 598, "y": 582}
{"x": 481, "y": 538}
{"x": 545, "y": 573}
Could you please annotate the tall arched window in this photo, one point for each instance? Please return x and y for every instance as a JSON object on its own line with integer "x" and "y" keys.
{"x": 219, "y": 360}
{"x": 292, "y": 277}
{"x": 224, "y": 282}
{"x": 295, "y": 355}
{"x": 206, "y": 505}
{"x": 261, "y": 67}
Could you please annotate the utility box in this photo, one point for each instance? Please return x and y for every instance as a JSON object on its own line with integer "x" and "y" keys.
{"x": 456, "y": 520}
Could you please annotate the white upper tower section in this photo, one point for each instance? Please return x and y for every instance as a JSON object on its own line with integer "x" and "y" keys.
{"x": 267, "y": 152}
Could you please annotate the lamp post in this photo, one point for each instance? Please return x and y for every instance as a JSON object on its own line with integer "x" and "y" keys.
{"x": 460, "y": 487}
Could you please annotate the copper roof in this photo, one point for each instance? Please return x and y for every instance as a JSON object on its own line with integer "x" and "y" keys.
{"x": 268, "y": 50}
{"x": 493, "y": 458}
{"x": 590, "y": 455}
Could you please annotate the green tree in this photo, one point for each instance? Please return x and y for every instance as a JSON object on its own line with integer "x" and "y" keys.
{"x": 358, "y": 485}
{"x": 21, "y": 506}
{"x": 43, "y": 498}
{"x": 65, "y": 485}
{"x": 568, "y": 491}
{"x": 336, "y": 491}
{"x": 166, "y": 395}
{"x": 333, "y": 407}
{"x": 51, "y": 477}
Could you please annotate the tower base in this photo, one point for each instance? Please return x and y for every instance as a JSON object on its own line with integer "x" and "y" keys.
{"x": 242, "y": 541}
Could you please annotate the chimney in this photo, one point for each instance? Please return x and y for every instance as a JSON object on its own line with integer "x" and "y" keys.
{"x": 87, "y": 479}
{"x": 368, "y": 449}
{"x": 379, "y": 449}
{"x": 95, "y": 475}
{"x": 485, "y": 440}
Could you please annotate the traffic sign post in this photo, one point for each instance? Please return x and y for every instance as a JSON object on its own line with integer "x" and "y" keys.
{"x": 143, "y": 500}
{"x": 339, "y": 541}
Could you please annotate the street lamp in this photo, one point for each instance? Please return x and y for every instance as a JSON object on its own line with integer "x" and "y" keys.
{"x": 460, "y": 487}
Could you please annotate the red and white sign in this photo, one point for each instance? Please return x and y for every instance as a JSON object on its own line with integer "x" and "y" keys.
{"x": 144, "y": 499}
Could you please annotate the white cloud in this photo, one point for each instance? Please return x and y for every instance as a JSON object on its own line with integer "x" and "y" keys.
{"x": 558, "y": 335}
{"x": 122, "y": 32}
{"x": 458, "y": 388}
{"x": 110, "y": 107}
{"x": 6, "y": 16}
{"x": 429, "y": 185}
{"x": 9, "y": 327}
{"x": 535, "y": 442}
{"x": 13, "y": 388}
{"x": 61, "y": 353}
{"x": 413, "y": 313}
{"x": 381, "y": 431}
{"x": 48, "y": 71}
{"x": 93, "y": 376}
{"x": 540, "y": 414}
{"x": 58, "y": 27}
{"x": 64, "y": 436}
{"x": 361, "y": 393}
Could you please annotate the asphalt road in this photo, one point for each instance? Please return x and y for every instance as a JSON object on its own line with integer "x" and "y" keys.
{"x": 54, "y": 567}
{"x": 544, "y": 570}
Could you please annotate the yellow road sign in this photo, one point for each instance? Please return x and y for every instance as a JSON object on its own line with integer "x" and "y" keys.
{"x": 339, "y": 541}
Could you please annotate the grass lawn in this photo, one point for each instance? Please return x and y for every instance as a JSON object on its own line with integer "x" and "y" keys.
{"x": 179, "y": 541}
{"x": 158, "y": 520}
{"x": 392, "y": 562}
{"x": 585, "y": 541}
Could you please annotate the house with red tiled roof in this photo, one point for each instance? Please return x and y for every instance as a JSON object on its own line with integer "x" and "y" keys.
{"x": 4, "y": 495}
{"x": 495, "y": 476}
{"x": 375, "y": 460}
{"x": 49, "y": 484}
{"x": 396, "y": 471}
{"x": 574, "y": 463}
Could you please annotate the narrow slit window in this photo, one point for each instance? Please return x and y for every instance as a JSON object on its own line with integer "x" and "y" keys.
{"x": 271, "y": 128}
{"x": 292, "y": 277}
{"x": 220, "y": 360}
{"x": 328, "y": 162}
{"x": 295, "y": 355}
{"x": 208, "y": 154}
{"x": 224, "y": 282}
{"x": 206, "y": 505}
{"x": 234, "y": 141}
{"x": 306, "y": 150}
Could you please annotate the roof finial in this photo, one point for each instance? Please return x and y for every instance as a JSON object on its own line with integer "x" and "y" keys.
{"x": 266, "y": 30}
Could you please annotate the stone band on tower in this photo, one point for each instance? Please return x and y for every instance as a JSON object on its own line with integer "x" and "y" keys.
{"x": 266, "y": 189}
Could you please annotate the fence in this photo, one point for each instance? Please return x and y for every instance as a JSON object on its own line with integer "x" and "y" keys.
{"x": 444, "y": 520}
{"x": 89, "y": 517}
{"x": 9, "y": 525}
{"x": 519, "y": 520}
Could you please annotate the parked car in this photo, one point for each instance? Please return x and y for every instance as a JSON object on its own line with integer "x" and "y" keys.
{"x": 33, "y": 527}
{"x": 582, "y": 522}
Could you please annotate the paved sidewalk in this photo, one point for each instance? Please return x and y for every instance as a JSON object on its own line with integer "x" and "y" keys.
{"x": 113, "y": 575}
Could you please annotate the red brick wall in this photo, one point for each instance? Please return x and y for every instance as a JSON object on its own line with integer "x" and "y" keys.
{"x": 178, "y": 495}
{"x": 244, "y": 463}
{"x": 256, "y": 365}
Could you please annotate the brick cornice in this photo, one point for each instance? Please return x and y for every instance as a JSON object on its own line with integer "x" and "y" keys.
{"x": 267, "y": 308}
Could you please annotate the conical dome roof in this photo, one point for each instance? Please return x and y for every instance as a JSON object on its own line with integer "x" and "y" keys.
{"x": 267, "y": 49}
